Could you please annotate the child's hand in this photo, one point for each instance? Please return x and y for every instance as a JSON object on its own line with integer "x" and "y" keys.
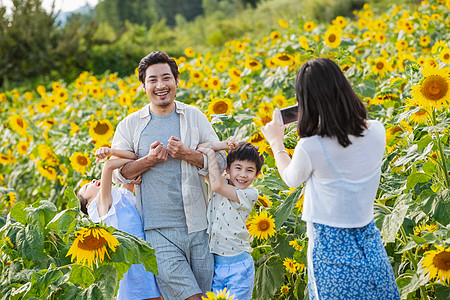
{"x": 232, "y": 143}
{"x": 102, "y": 152}
{"x": 206, "y": 151}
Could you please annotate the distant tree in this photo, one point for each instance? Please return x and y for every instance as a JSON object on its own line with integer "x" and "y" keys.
{"x": 32, "y": 45}
{"x": 168, "y": 9}
{"x": 117, "y": 12}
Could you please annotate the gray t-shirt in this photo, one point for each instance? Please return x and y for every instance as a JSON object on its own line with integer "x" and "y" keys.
{"x": 162, "y": 200}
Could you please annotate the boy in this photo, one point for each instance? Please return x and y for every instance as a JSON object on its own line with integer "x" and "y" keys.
{"x": 230, "y": 205}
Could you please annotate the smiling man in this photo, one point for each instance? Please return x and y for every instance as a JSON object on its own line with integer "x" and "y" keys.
{"x": 172, "y": 197}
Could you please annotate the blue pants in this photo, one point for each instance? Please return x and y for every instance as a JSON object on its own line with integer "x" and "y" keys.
{"x": 236, "y": 273}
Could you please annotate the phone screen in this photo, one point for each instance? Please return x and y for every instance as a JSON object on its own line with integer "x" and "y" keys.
{"x": 288, "y": 115}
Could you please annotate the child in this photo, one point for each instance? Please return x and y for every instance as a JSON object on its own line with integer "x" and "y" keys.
{"x": 228, "y": 210}
{"x": 116, "y": 207}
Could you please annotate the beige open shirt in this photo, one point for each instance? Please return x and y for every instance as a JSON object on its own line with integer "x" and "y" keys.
{"x": 194, "y": 129}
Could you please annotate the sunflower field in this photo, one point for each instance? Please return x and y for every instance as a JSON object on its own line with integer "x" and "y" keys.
{"x": 397, "y": 62}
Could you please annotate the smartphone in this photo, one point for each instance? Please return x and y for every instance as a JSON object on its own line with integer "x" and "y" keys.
{"x": 288, "y": 115}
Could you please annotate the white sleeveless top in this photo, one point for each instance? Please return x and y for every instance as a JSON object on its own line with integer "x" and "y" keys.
{"x": 341, "y": 183}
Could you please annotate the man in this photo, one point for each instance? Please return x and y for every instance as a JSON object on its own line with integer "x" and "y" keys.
{"x": 172, "y": 197}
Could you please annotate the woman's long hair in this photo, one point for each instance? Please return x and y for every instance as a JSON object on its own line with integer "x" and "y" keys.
{"x": 327, "y": 104}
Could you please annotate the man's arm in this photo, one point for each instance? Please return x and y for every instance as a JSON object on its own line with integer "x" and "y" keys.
{"x": 157, "y": 154}
{"x": 178, "y": 150}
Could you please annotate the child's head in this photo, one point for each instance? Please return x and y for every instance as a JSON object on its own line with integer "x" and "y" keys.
{"x": 244, "y": 164}
{"x": 87, "y": 194}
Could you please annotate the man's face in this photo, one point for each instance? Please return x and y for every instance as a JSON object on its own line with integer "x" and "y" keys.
{"x": 160, "y": 86}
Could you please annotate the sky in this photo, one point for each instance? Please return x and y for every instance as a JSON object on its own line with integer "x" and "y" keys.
{"x": 63, "y": 5}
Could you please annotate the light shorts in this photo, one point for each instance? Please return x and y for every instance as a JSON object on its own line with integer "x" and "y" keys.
{"x": 185, "y": 266}
{"x": 236, "y": 273}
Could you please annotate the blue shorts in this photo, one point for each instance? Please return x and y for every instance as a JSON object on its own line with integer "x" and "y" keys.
{"x": 185, "y": 266}
{"x": 236, "y": 273}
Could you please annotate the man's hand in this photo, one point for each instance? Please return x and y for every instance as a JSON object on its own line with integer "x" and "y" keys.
{"x": 176, "y": 148}
{"x": 157, "y": 153}
{"x": 137, "y": 180}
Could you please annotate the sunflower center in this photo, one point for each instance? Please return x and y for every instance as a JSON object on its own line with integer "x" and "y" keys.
{"x": 380, "y": 65}
{"x": 420, "y": 113}
{"x": 253, "y": 64}
{"x": 447, "y": 56}
{"x": 332, "y": 38}
{"x": 91, "y": 243}
{"x": 284, "y": 58}
{"x": 263, "y": 225}
{"x": 81, "y": 160}
{"x": 101, "y": 128}
{"x": 396, "y": 129}
{"x": 220, "y": 107}
{"x": 257, "y": 138}
{"x": 434, "y": 87}
{"x": 442, "y": 261}
{"x": 20, "y": 122}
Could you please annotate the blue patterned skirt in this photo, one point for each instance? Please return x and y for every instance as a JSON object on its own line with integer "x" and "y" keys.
{"x": 349, "y": 263}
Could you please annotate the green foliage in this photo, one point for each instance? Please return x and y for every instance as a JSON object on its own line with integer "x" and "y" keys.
{"x": 34, "y": 243}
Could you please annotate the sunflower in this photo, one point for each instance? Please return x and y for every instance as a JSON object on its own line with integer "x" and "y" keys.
{"x": 264, "y": 201}
{"x": 253, "y": 64}
{"x": 18, "y": 124}
{"x": 292, "y": 266}
{"x": 283, "y": 23}
{"x": 279, "y": 101}
{"x": 22, "y": 147}
{"x": 424, "y": 41}
{"x": 125, "y": 100}
{"x": 270, "y": 63}
{"x": 299, "y": 203}
{"x": 257, "y": 139}
{"x": 219, "y": 295}
{"x": 6, "y": 159}
{"x": 101, "y": 130}
{"x": 74, "y": 128}
{"x": 309, "y": 26}
{"x": 424, "y": 228}
{"x": 283, "y": 59}
{"x": 11, "y": 199}
{"x": 233, "y": 87}
{"x": 296, "y": 245}
{"x": 275, "y": 35}
{"x": 433, "y": 91}
{"x": 44, "y": 108}
{"x": 221, "y": 66}
{"x": 284, "y": 289}
{"x": 79, "y": 161}
{"x": 235, "y": 74}
{"x": 332, "y": 37}
{"x": 46, "y": 171}
{"x": 47, "y": 155}
{"x": 303, "y": 42}
{"x": 214, "y": 83}
{"x": 90, "y": 245}
{"x": 437, "y": 264}
{"x": 444, "y": 55}
{"x": 196, "y": 76}
{"x": 220, "y": 106}
{"x": 380, "y": 66}
{"x": 418, "y": 117}
{"x": 262, "y": 226}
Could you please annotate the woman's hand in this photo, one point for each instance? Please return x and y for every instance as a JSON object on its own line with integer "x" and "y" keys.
{"x": 274, "y": 132}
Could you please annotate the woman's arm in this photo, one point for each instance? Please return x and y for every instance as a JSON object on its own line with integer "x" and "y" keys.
{"x": 274, "y": 134}
{"x": 218, "y": 185}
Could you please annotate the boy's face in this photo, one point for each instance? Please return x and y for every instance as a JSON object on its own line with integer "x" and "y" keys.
{"x": 242, "y": 173}
{"x": 90, "y": 190}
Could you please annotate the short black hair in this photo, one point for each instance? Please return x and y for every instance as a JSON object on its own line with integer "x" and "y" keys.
{"x": 246, "y": 151}
{"x": 327, "y": 104}
{"x": 83, "y": 203}
{"x": 157, "y": 57}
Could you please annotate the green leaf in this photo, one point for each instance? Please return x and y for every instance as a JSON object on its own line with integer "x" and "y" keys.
{"x": 72, "y": 200}
{"x": 429, "y": 168}
{"x": 285, "y": 209}
{"x": 106, "y": 280}
{"x": 442, "y": 292}
{"x": 42, "y": 284}
{"x": 392, "y": 222}
{"x": 18, "y": 212}
{"x": 64, "y": 223}
{"x": 82, "y": 275}
{"x": 30, "y": 243}
{"x": 437, "y": 205}
{"x": 134, "y": 250}
{"x": 415, "y": 178}
{"x": 418, "y": 279}
{"x": 270, "y": 183}
{"x": 269, "y": 278}
{"x": 410, "y": 245}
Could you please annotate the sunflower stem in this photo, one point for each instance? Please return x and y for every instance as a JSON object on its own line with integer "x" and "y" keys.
{"x": 413, "y": 261}
{"x": 441, "y": 153}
